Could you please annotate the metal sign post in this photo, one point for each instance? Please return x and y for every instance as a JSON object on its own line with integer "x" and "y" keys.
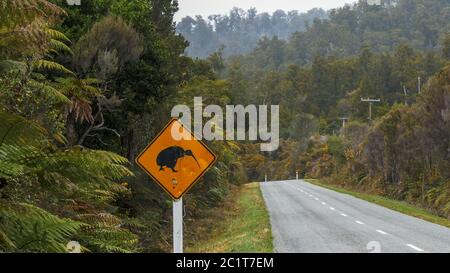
{"x": 178, "y": 226}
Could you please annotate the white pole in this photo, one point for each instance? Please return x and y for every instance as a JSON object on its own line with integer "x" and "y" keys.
{"x": 420, "y": 83}
{"x": 296, "y": 175}
{"x": 265, "y": 178}
{"x": 178, "y": 226}
{"x": 405, "y": 91}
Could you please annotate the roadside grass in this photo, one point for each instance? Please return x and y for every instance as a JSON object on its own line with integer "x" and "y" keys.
{"x": 399, "y": 206}
{"x": 241, "y": 225}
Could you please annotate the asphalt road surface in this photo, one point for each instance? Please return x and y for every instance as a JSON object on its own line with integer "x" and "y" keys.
{"x": 312, "y": 219}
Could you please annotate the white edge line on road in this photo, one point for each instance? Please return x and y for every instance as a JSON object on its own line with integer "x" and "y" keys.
{"x": 317, "y": 199}
{"x": 359, "y": 222}
{"x": 382, "y": 232}
{"x": 343, "y": 214}
{"x": 415, "y": 248}
{"x": 332, "y": 208}
{"x": 323, "y": 203}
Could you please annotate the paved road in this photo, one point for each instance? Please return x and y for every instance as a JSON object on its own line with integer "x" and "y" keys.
{"x": 312, "y": 219}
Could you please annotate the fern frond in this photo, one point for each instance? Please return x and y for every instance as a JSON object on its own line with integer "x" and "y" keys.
{"x": 105, "y": 233}
{"x": 60, "y": 138}
{"x": 101, "y": 220}
{"x": 45, "y": 64}
{"x": 5, "y": 242}
{"x": 32, "y": 229}
{"x": 12, "y": 158}
{"x": 16, "y": 130}
{"x": 50, "y": 92}
{"x": 56, "y": 35}
{"x": 91, "y": 81}
{"x": 56, "y": 46}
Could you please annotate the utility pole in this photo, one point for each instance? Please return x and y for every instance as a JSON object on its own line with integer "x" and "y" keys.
{"x": 405, "y": 91}
{"x": 371, "y": 102}
{"x": 344, "y": 122}
{"x": 419, "y": 87}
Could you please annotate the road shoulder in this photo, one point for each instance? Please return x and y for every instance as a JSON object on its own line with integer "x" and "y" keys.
{"x": 241, "y": 225}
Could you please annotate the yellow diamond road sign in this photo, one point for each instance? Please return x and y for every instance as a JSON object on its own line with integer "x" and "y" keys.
{"x": 176, "y": 159}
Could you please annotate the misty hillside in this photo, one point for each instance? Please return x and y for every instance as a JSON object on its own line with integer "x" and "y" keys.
{"x": 239, "y": 31}
{"x": 341, "y": 32}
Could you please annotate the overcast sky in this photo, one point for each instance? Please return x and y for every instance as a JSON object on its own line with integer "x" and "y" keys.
{"x": 208, "y": 7}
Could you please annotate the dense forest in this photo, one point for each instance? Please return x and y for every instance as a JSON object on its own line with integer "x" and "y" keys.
{"x": 83, "y": 89}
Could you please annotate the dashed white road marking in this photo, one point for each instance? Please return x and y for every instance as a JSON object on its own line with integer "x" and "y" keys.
{"x": 415, "y": 248}
{"x": 361, "y": 223}
{"x": 382, "y": 232}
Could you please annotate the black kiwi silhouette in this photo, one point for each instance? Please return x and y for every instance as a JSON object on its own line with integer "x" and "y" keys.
{"x": 169, "y": 157}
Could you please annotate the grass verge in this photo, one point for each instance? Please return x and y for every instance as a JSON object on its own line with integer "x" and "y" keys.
{"x": 241, "y": 225}
{"x": 399, "y": 206}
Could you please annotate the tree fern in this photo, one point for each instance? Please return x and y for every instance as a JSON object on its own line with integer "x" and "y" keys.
{"x": 81, "y": 92}
{"x": 25, "y": 146}
{"x": 24, "y": 26}
{"x": 27, "y": 153}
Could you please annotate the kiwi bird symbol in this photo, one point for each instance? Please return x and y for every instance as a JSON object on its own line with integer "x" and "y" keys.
{"x": 169, "y": 157}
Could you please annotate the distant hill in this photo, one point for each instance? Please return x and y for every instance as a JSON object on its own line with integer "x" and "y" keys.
{"x": 239, "y": 31}
{"x": 340, "y": 32}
